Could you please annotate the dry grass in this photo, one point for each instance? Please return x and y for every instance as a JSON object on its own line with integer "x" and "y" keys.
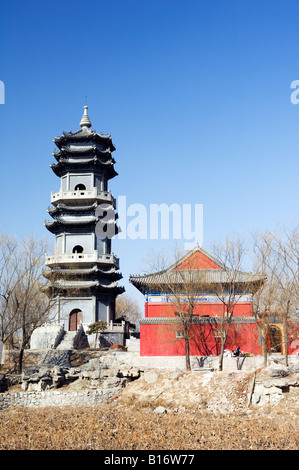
{"x": 121, "y": 427}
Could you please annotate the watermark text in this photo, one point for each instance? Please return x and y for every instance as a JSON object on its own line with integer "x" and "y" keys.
{"x": 153, "y": 222}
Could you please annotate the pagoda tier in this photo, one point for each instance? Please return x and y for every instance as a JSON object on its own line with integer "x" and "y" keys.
{"x": 65, "y": 208}
{"x": 93, "y": 164}
{"x": 73, "y": 151}
{"x": 77, "y": 197}
{"x": 61, "y": 224}
{"x": 84, "y": 135}
{"x": 88, "y": 209}
{"x": 79, "y": 260}
{"x": 87, "y": 288}
{"x": 83, "y": 216}
{"x": 57, "y": 273}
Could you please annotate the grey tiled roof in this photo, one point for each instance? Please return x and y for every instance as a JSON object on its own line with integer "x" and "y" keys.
{"x": 199, "y": 276}
{"x": 196, "y": 278}
{"x": 84, "y": 134}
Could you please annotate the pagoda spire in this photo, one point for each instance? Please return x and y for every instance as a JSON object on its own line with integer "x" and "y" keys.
{"x": 85, "y": 121}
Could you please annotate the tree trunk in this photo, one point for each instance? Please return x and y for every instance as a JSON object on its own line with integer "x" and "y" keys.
{"x": 263, "y": 335}
{"x": 220, "y": 363}
{"x": 187, "y": 351}
{"x": 20, "y": 363}
{"x": 285, "y": 339}
{"x": 223, "y": 343}
{"x": 264, "y": 349}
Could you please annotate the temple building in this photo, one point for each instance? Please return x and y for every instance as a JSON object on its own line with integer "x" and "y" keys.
{"x": 83, "y": 272}
{"x": 211, "y": 290}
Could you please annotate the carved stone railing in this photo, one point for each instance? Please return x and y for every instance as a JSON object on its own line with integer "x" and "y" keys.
{"x": 83, "y": 194}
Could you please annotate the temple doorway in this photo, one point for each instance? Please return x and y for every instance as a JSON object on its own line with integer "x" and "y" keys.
{"x": 275, "y": 339}
{"x": 76, "y": 317}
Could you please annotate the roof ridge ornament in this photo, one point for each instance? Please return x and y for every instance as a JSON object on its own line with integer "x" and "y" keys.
{"x": 85, "y": 121}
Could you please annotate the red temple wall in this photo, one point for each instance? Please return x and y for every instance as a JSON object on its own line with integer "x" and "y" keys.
{"x": 155, "y": 310}
{"x": 160, "y": 340}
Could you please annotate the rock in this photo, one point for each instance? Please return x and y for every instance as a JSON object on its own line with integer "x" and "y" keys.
{"x": 177, "y": 373}
{"x": 95, "y": 375}
{"x": 135, "y": 372}
{"x": 275, "y": 371}
{"x": 150, "y": 376}
{"x": 294, "y": 368}
{"x": 30, "y": 371}
{"x": 112, "y": 372}
{"x": 132, "y": 372}
{"x": 112, "y": 382}
{"x": 160, "y": 410}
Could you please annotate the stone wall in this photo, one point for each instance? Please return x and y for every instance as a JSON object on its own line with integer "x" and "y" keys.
{"x": 57, "y": 398}
{"x": 273, "y": 382}
{"x": 54, "y": 382}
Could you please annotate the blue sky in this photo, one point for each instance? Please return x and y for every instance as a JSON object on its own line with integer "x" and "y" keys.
{"x": 195, "y": 94}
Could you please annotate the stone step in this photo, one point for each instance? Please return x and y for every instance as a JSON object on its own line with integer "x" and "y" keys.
{"x": 67, "y": 341}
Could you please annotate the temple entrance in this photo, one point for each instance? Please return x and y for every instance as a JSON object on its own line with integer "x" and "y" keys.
{"x": 76, "y": 317}
{"x": 275, "y": 339}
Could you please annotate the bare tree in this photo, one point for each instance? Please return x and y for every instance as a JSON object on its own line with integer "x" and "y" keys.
{"x": 277, "y": 255}
{"x": 23, "y": 305}
{"x": 181, "y": 287}
{"x": 232, "y": 284}
{"x": 127, "y": 309}
{"x": 263, "y": 298}
{"x": 8, "y": 284}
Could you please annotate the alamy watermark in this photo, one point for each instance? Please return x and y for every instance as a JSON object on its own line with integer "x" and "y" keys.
{"x": 154, "y": 222}
{"x": 2, "y": 92}
{"x": 294, "y": 95}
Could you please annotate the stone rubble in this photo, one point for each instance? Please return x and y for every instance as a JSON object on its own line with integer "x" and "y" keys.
{"x": 273, "y": 382}
{"x": 109, "y": 378}
{"x": 52, "y": 385}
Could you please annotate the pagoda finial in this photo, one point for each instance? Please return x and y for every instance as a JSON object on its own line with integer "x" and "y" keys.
{"x": 85, "y": 121}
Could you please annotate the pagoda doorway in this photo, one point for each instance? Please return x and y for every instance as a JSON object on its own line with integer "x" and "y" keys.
{"x": 75, "y": 319}
{"x": 275, "y": 339}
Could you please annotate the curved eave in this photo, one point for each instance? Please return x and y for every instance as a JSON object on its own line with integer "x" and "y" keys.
{"x": 94, "y": 163}
{"x": 62, "y": 208}
{"x": 55, "y": 225}
{"x": 95, "y": 271}
{"x": 52, "y": 291}
{"x": 71, "y": 284}
{"x": 84, "y": 135}
{"x": 88, "y": 151}
{"x": 249, "y": 283}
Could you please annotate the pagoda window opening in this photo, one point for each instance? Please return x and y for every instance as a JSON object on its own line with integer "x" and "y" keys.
{"x": 78, "y": 249}
{"x": 80, "y": 187}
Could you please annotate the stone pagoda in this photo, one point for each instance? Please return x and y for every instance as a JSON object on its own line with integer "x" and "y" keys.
{"x": 83, "y": 272}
